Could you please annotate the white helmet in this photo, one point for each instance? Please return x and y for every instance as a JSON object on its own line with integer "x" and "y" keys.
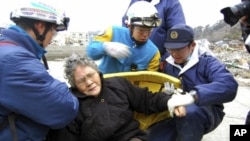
{"x": 143, "y": 13}
{"x": 40, "y": 11}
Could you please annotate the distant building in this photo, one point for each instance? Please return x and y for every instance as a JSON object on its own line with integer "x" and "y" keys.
{"x": 70, "y": 39}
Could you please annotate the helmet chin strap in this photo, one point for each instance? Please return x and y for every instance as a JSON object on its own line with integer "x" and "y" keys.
{"x": 45, "y": 62}
{"x": 41, "y": 38}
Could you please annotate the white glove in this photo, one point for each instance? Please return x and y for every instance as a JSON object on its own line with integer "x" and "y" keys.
{"x": 179, "y": 100}
{"x": 169, "y": 88}
{"x": 116, "y": 49}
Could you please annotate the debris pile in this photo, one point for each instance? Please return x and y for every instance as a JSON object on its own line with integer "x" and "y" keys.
{"x": 237, "y": 60}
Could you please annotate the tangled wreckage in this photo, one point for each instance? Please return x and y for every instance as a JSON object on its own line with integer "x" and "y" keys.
{"x": 235, "y": 57}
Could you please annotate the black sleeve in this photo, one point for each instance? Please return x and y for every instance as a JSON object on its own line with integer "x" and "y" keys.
{"x": 141, "y": 99}
{"x": 245, "y": 33}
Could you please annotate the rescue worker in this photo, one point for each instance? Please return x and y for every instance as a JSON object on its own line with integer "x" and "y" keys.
{"x": 171, "y": 13}
{"x": 203, "y": 76}
{"x": 127, "y": 49}
{"x": 31, "y": 100}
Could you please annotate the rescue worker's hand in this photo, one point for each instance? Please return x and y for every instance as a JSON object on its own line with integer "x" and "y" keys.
{"x": 169, "y": 88}
{"x": 180, "y": 111}
{"x": 116, "y": 49}
{"x": 179, "y": 100}
{"x": 245, "y": 21}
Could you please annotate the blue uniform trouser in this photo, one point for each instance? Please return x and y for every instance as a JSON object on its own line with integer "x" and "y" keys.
{"x": 247, "y": 122}
{"x": 197, "y": 122}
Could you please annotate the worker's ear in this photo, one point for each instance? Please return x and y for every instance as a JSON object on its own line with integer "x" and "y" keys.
{"x": 40, "y": 27}
{"x": 193, "y": 44}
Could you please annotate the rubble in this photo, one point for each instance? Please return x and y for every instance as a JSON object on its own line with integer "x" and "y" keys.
{"x": 237, "y": 60}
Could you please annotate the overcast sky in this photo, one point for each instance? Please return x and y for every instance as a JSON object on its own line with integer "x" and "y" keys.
{"x": 204, "y": 12}
{"x": 95, "y": 14}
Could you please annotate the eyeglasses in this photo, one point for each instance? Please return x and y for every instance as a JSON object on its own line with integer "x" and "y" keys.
{"x": 143, "y": 30}
{"x": 83, "y": 80}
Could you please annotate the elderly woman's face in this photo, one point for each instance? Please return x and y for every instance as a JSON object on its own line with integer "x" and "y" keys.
{"x": 87, "y": 80}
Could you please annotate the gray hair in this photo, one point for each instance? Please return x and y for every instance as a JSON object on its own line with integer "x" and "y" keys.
{"x": 72, "y": 62}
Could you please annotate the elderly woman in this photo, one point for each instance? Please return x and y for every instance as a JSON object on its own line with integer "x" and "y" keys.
{"x": 107, "y": 105}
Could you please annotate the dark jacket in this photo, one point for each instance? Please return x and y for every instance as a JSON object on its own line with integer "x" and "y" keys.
{"x": 109, "y": 117}
{"x": 26, "y": 89}
{"x": 245, "y": 30}
{"x": 211, "y": 80}
{"x": 208, "y": 76}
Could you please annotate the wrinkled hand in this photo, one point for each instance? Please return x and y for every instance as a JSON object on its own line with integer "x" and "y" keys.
{"x": 179, "y": 100}
{"x": 116, "y": 49}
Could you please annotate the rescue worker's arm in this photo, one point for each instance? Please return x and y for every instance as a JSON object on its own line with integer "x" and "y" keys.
{"x": 179, "y": 100}
{"x": 36, "y": 91}
{"x": 102, "y": 45}
{"x": 95, "y": 48}
{"x": 155, "y": 62}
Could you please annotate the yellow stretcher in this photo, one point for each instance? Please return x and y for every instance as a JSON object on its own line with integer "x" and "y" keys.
{"x": 155, "y": 82}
